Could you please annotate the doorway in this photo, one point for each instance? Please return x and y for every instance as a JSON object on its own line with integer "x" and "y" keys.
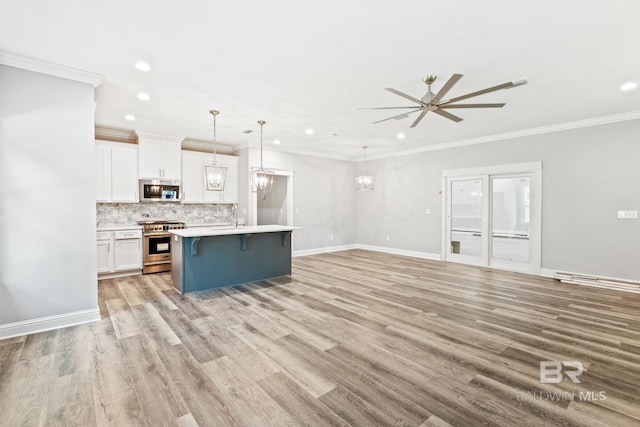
{"x": 275, "y": 207}
{"x": 492, "y": 216}
{"x": 272, "y": 207}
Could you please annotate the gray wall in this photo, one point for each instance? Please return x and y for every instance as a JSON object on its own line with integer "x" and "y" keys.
{"x": 47, "y": 197}
{"x": 324, "y": 197}
{"x": 588, "y": 174}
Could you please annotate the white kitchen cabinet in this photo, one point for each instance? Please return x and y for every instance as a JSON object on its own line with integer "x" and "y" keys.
{"x": 159, "y": 156}
{"x": 119, "y": 251}
{"x": 116, "y": 172}
{"x": 103, "y": 173}
{"x": 192, "y": 177}
{"x": 194, "y": 185}
{"x": 105, "y": 252}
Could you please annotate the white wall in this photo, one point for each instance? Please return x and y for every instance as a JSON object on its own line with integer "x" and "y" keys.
{"x": 47, "y": 202}
{"x": 588, "y": 174}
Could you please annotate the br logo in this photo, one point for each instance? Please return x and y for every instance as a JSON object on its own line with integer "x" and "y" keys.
{"x": 551, "y": 371}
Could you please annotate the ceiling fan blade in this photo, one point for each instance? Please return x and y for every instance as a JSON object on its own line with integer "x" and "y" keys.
{"x": 478, "y": 93}
{"x": 397, "y": 117}
{"x": 420, "y": 117}
{"x": 385, "y": 108}
{"x": 499, "y": 105}
{"x": 404, "y": 95}
{"x": 447, "y": 86}
{"x": 448, "y": 115}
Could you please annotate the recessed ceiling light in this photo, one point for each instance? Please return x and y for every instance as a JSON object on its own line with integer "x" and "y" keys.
{"x": 276, "y": 141}
{"x": 309, "y": 131}
{"x": 130, "y": 117}
{"x": 143, "y": 66}
{"x": 400, "y": 135}
{"x": 143, "y": 96}
{"x": 629, "y": 86}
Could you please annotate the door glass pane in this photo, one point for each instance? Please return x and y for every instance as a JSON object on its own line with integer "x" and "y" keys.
{"x": 511, "y": 213}
{"x": 466, "y": 217}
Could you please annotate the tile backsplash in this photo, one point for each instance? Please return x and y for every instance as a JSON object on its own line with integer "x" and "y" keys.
{"x": 114, "y": 214}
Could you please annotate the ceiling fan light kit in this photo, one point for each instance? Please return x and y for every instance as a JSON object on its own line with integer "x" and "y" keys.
{"x": 436, "y": 104}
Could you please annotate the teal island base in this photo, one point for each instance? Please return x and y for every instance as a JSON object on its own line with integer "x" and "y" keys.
{"x": 214, "y": 261}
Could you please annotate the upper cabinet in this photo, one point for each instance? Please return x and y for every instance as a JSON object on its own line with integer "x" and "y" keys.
{"x": 159, "y": 156}
{"x": 194, "y": 185}
{"x": 116, "y": 172}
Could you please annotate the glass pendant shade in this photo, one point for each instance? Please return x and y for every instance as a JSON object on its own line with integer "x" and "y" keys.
{"x": 215, "y": 175}
{"x": 365, "y": 182}
{"x": 261, "y": 179}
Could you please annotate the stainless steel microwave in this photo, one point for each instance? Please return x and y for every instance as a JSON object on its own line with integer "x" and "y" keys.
{"x": 160, "y": 190}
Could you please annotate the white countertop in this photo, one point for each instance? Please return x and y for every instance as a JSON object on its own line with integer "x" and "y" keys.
{"x": 119, "y": 227}
{"x": 225, "y": 231}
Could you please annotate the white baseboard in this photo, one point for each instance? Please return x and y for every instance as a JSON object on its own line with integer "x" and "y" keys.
{"x": 324, "y": 250}
{"x": 328, "y": 249}
{"x": 42, "y": 324}
{"x": 546, "y": 272}
{"x": 394, "y": 251}
{"x": 102, "y": 276}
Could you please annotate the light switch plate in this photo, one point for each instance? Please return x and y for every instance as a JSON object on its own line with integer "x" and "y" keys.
{"x": 628, "y": 214}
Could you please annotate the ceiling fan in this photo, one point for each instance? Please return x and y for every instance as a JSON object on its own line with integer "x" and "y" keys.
{"x": 434, "y": 102}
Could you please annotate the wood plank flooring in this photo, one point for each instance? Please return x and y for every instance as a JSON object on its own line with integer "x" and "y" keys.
{"x": 353, "y": 338}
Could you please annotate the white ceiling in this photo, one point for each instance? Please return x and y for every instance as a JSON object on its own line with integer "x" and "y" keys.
{"x": 302, "y": 65}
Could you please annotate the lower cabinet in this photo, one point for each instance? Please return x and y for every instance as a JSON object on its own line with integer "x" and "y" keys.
{"x": 119, "y": 250}
{"x": 105, "y": 252}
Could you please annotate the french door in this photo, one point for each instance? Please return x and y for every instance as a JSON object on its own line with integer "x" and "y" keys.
{"x": 492, "y": 216}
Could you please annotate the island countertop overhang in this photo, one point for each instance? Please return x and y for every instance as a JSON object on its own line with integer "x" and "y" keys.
{"x": 212, "y": 231}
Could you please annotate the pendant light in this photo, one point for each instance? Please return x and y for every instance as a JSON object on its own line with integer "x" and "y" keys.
{"x": 364, "y": 182}
{"x": 215, "y": 175}
{"x": 261, "y": 179}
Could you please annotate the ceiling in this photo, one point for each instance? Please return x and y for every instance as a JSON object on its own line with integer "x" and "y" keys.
{"x": 301, "y": 65}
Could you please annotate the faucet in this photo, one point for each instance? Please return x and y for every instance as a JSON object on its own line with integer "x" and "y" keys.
{"x": 234, "y": 221}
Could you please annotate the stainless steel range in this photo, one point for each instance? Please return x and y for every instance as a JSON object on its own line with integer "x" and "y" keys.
{"x": 156, "y": 247}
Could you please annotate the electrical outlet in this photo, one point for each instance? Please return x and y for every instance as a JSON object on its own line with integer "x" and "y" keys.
{"x": 331, "y": 237}
{"x": 388, "y": 238}
{"x": 628, "y": 214}
{"x": 297, "y": 210}
{"x": 427, "y": 211}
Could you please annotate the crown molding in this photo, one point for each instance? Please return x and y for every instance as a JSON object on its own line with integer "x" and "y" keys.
{"x": 115, "y": 135}
{"x": 596, "y": 121}
{"x": 49, "y": 68}
{"x": 158, "y": 137}
{"x": 290, "y": 150}
{"x": 206, "y": 147}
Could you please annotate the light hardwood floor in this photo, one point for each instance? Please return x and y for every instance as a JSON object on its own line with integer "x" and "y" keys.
{"x": 352, "y": 338}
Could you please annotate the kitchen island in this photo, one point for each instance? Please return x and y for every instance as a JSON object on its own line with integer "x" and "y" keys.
{"x": 209, "y": 257}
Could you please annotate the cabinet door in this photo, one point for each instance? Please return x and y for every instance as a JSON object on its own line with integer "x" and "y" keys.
{"x": 192, "y": 178}
{"x": 124, "y": 174}
{"x": 151, "y": 159}
{"x": 103, "y": 173}
{"x": 105, "y": 256}
{"x": 128, "y": 254}
{"x": 171, "y": 160}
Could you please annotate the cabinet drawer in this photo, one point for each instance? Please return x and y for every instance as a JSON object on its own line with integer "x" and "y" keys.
{"x": 129, "y": 234}
{"x": 104, "y": 235}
